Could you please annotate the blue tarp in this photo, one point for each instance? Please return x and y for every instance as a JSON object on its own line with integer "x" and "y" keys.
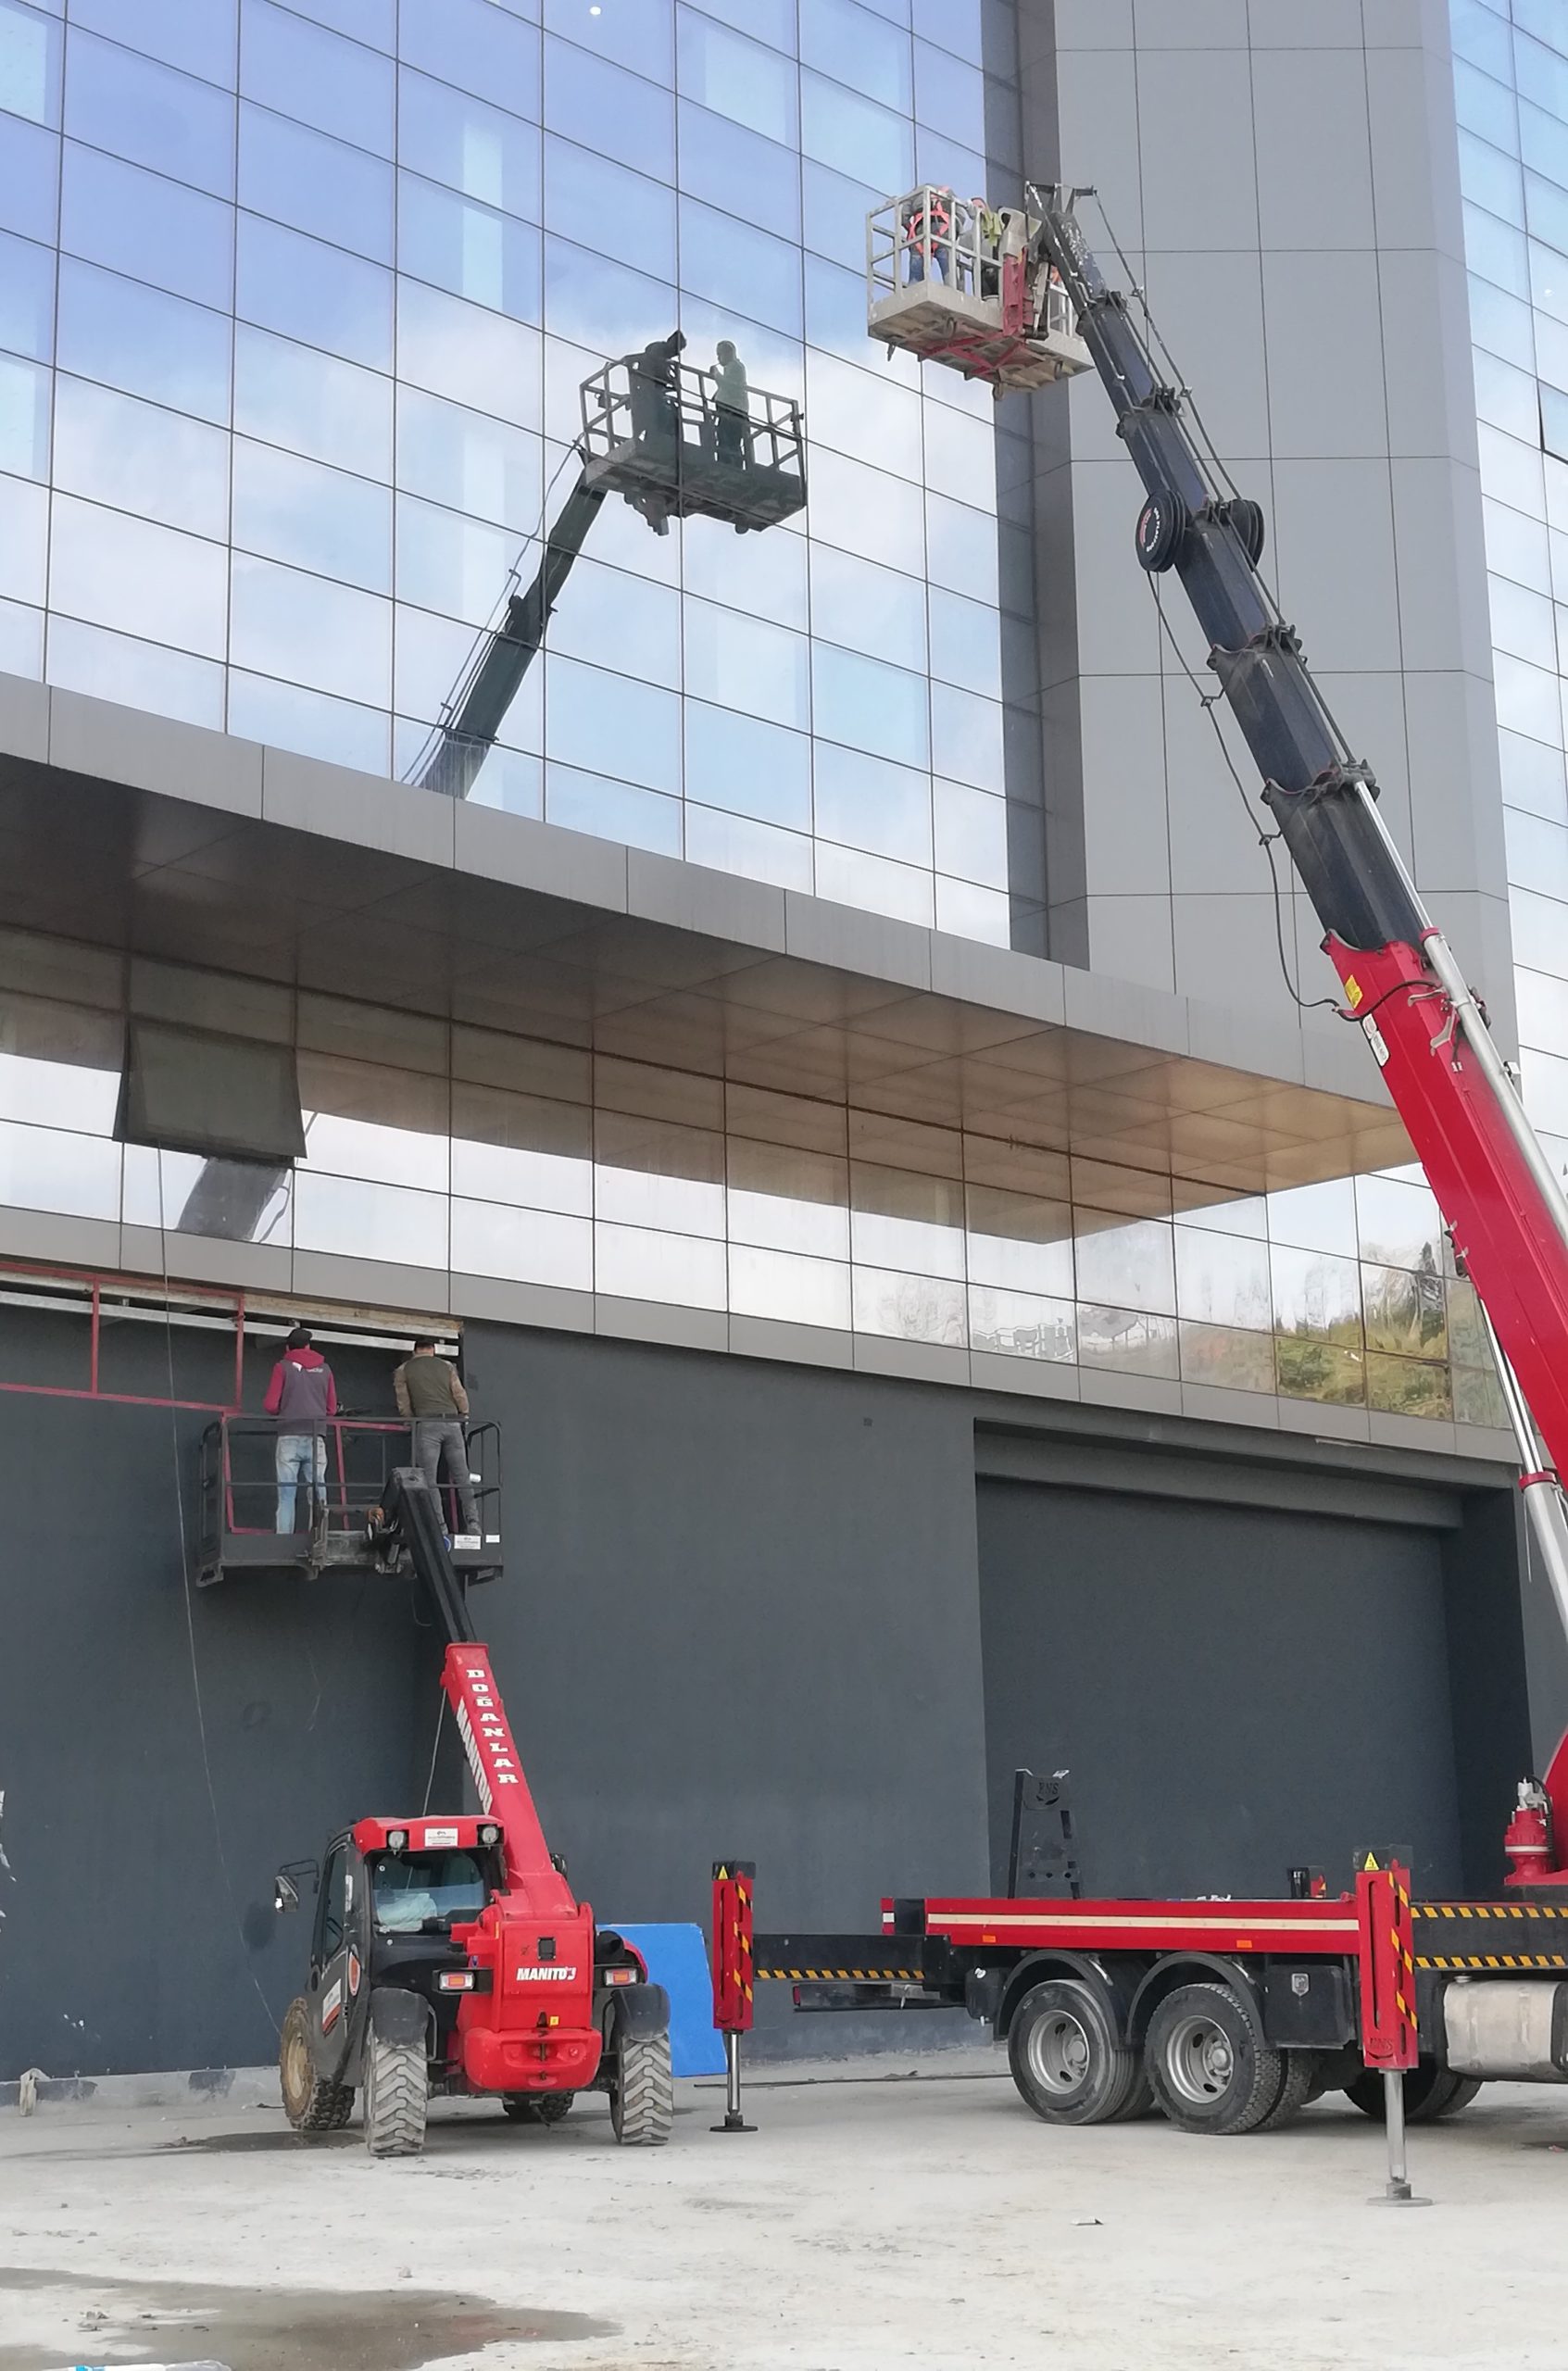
{"x": 677, "y": 1958}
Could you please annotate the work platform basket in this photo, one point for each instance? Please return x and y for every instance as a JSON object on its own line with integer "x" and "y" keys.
{"x": 938, "y": 287}
{"x": 676, "y": 452}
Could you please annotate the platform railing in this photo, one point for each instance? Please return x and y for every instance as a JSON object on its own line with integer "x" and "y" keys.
{"x": 240, "y": 1486}
{"x": 685, "y": 414}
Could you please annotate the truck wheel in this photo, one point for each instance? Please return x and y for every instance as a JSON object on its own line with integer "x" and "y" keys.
{"x": 642, "y": 2103}
{"x": 1430, "y": 2091}
{"x": 537, "y": 2107}
{"x": 396, "y": 2097}
{"x": 1068, "y": 2063}
{"x": 310, "y": 2103}
{"x": 1210, "y": 2071}
{"x": 1296, "y": 2090}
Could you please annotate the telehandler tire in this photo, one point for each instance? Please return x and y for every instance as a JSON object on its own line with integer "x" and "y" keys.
{"x": 1210, "y": 2071}
{"x": 642, "y": 2103}
{"x": 1068, "y": 2061}
{"x": 396, "y": 2097}
{"x": 311, "y": 2104}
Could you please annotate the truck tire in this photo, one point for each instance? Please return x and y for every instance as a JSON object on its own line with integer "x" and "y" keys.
{"x": 396, "y": 2097}
{"x": 642, "y": 2101}
{"x": 537, "y": 2107}
{"x": 1210, "y": 2071}
{"x": 310, "y": 2103}
{"x": 1296, "y": 2090}
{"x": 1431, "y": 2092}
{"x": 1068, "y": 2061}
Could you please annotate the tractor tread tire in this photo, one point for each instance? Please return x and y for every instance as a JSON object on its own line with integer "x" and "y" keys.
{"x": 311, "y": 2104}
{"x": 1296, "y": 2091}
{"x": 642, "y": 2104}
{"x": 1107, "y": 2087}
{"x": 396, "y": 2097}
{"x": 536, "y": 2107}
{"x": 1251, "y": 2101}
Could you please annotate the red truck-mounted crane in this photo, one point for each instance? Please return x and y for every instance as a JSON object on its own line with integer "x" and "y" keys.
{"x": 450, "y": 1953}
{"x": 1231, "y": 2014}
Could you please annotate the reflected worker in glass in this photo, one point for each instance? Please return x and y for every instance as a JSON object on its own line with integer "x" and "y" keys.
{"x": 430, "y": 1393}
{"x": 732, "y": 407}
{"x": 302, "y": 1395}
{"x": 656, "y": 410}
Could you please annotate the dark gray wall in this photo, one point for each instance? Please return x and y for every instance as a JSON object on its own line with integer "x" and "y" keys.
{"x": 1234, "y": 1689}
{"x": 739, "y": 1616}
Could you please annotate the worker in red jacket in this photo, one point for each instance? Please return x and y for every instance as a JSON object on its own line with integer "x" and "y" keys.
{"x": 302, "y": 1395}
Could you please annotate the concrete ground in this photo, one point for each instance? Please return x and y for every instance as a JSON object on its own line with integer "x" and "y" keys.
{"x": 874, "y": 2220}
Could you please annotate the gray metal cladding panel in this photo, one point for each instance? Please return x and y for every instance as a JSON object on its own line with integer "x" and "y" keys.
{"x": 1235, "y": 1690}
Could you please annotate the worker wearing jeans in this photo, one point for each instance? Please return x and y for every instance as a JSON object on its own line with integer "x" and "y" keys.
{"x": 302, "y": 1395}
{"x": 430, "y": 1393}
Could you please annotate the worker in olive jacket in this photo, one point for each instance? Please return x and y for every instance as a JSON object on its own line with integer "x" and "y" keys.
{"x": 430, "y": 1393}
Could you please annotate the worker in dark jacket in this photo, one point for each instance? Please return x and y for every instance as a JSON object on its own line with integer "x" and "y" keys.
{"x": 302, "y": 1395}
{"x": 430, "y": 1393}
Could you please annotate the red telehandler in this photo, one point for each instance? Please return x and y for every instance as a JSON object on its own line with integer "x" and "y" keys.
{"x": 449, "y": 1955}
{"x": 1231, "y": 2014}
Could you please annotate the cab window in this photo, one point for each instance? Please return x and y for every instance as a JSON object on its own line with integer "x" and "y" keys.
{"x": 416, "y": 1892}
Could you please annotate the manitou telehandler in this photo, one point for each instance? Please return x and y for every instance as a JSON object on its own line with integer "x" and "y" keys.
{"x": 449, "y": 1955}
{"x": 1231, "y": 2014}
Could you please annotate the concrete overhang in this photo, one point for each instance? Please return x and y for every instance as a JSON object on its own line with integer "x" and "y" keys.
{"x": 160, "y": 838}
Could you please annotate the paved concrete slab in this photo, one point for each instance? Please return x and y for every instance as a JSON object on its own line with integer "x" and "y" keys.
{"x": 873, "y": 2221}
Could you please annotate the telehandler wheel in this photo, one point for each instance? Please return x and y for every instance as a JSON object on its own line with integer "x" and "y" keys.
{"x": 1210, "y": 2071}
{"x": 1068, "y": 2062}
{"x": 1430, "y": 2092}
{"x": 537, "y": 2107}
{"x": 396, "y": 2097}
{"x": 310, "y": 2103}
{"x": 642, "y": 2101}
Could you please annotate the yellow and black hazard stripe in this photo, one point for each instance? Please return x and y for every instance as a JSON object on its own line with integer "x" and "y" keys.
{"x": 1490, "y": 1910}
{"x": 1492, "y": 1959}
{"x": 843, "y": 1974}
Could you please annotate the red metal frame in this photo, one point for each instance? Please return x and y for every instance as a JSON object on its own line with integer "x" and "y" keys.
{"x": 1385, "y": 1961}
{"x": 733, "y": 1931}
{"x": 1331, "y": 1927}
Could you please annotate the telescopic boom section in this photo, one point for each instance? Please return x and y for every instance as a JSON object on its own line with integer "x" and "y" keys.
{"x": 470, "y": 1685}
{"x": 1492, "y": 1178}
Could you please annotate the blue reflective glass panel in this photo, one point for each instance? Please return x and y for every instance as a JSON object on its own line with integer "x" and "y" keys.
{"x": 288, "y": 717}
{"x": 24, "y": 539}
{"x": 27, "y": 298}
{"x": 472, "y": 354}
{"x": 950, "y": 97}
{"x": 971, "y": 834}
{"x": 736, "y": 844}
{"x": 21, "y": 639}
{"x": 612, "y": 810}
{"x": 292, "y": 509}
{"x": 150, "y": 114}
{"x": 619, "y": 621}
{"x": 743, "y": 270}
{"x": 152, "y": 229}
{"x": 30, "y": 175}
{"x": 143, "y": 340}
{"x": 841, "y": 129}
{"x": 835, "y": 210}
{"x": 737, "y": 78}
{"x": 600, "y": 106}
{"x": 370, "y": 21}
{"x": 582, "y": 189}
{"x": 870, "y": 704}
{"x": 314, "y": 183}
{"x": 961, "y": 547}
{"x": 328, "y": 636}
{"x": 752, "y": 177}
{"x": 762, "y": 575}
{"x": 966, "y": 738}
{"x": 141, "y": 457}
{"x": 748, "y": 766}
{"x": 292, "y": 395}
{"x": 196, "y": 35}
{"x": 301, "y": 69}
{"x": 474, "y": 250}
{"x": 303, "y": 288}
{"x": 739, "y": 659}
{"x": 849, "y": 43}
{"x": 958, "y": 23}
{"x": 635, "y": 32}
{"x": 867, "y": 803}
{"x": 867, "y": 511}
{"x": 30, "y": 63}
{"x": 139, "y": 578}
{"x": 138, "y": 674}
{"x": 450, "y": 563}
{"x": 966, "y": 644}
{"x": 451, "y": 137}
{"x": 770, "y": 21}
{"x": 611, "y": 725}
{"x": 24, "y": 417}
{"x": 873, "y": 609}
{"x": 466, "y": 460}
{"x": 599, "y": 305}
{"x": 476, "y": 46}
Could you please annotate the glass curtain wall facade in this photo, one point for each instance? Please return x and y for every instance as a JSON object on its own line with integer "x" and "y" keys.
{"x": 1510, "y": 85}
{"x": 457, "y": 1152}
{"x": 295, "y": 306}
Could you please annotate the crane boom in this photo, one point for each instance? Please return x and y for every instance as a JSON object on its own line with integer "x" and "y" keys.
{"x": 1503, "y": 1204}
